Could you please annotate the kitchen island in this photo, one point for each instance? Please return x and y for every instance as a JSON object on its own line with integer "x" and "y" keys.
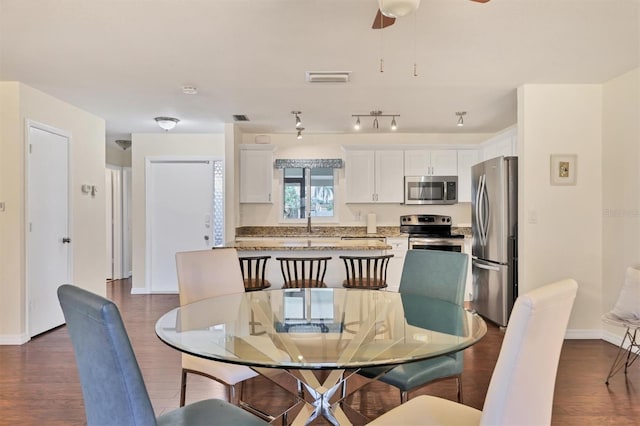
{"x": 309, "y": 247}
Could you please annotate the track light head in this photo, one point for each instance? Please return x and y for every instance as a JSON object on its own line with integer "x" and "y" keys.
{"x": 357, "y": 125}
{"x": 298, "y": 120}
{"x": 460, "y": 114}
{"x": 394, "y": 125}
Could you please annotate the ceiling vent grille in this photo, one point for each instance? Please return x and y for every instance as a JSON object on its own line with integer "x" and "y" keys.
{"x": 328, "y": 76}
{"x": 240, "y": 117}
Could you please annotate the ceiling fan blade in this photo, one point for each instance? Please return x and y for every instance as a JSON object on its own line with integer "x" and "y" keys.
{"x": 382, "y": 21}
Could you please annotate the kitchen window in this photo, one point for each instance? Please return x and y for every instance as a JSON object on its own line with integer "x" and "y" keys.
{"x": 308, "y": 191}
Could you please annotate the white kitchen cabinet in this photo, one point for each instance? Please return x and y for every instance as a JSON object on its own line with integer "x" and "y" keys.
{"x": 399, "y": 245}
{"x": 502, "y": 144}
{"x": 466, "y": 159}
{"x": 422, "y": 162}
{"x": 256, "y": 174}
{"x": 374, "y": 176}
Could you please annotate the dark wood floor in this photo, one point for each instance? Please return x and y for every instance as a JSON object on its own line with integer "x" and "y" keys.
{"x": 39, "y": 381}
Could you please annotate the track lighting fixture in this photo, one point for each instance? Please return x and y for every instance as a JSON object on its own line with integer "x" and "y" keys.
{"x": 376, "y": 123}
{"x": 298, "y": 120}
{"x": 166, "y": 123}
{"x": 460, "y": 119}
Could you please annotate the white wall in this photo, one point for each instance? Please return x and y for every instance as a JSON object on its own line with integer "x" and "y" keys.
{"x": 19, "y": 103}
{"x": 116, "y": 156}
{"x": 566, "y": 241}
{"x": 155, "y": 145}
{"x": 330, "y": 146}
{"x": 620, "y": 184}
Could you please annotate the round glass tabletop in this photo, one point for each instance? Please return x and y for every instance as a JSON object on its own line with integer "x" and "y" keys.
{"x": 324, "y": 328}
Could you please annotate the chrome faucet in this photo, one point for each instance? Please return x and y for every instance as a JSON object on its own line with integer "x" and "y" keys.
{"x": 309, "y": 223}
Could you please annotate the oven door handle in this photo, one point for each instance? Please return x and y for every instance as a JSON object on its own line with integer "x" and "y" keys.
{"x": 487, "y": 267}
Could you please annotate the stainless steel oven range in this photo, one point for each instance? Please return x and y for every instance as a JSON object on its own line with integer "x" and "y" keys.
{"x": 431, "y": 232}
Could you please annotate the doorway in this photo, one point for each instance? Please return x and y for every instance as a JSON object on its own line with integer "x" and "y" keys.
{"x": 184, "y": 211}
{"x": 48, "y": 227}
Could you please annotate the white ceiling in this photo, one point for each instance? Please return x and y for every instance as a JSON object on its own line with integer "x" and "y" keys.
{"x": 127, "y": 60}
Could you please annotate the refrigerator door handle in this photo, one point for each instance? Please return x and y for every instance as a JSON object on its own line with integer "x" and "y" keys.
{"x": 482, "y": 209}
{"x": 486, "y": 220}
{"x": 478, "y": 217}
{"x": 487, "y": 267}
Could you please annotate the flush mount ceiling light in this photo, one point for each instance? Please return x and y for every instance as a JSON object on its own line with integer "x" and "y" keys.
{"x": 376, "y": 123}
{"x": 124, "y": 144}
{"x": 460, "y": 114}
{"x": 398, "y": 8}
{"x": 166, "y": 123}
{"x": 298, "y": 121}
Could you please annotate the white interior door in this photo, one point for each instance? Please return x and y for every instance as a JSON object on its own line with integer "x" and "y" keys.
{"x": 114, "y": 214}
{"x": 179, "y": 216}
{"x": 48, "y": 230}
{"x": 126, "y": 222}
{"x": 108, "y": 195}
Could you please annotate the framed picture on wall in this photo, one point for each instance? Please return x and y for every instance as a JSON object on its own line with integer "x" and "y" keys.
{"x": 563, "y": 169}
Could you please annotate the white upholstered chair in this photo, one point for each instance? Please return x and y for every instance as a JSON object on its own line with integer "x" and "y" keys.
{"x": 626, "y": 314}
{"x": 203, "y": 274}
{"x": 522, "y": 384}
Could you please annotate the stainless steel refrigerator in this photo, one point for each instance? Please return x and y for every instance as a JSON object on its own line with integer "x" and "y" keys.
{"x": 494, "y": 219}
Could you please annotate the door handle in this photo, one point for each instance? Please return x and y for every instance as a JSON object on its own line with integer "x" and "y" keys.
{"x": 487, "y": 267}
{"x": 66, "y": 240}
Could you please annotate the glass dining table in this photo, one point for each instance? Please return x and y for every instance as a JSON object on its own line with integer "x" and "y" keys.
{"x": 301, "y": 331}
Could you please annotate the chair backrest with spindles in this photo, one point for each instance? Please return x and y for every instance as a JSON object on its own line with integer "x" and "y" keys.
{"x": 303, "y": 272}
{"x": 366, "y": 272}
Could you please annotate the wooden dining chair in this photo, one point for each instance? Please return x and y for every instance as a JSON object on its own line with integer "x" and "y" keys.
{"x": 366, "y": 272}
{"x": 253, "y": 272}
{"x": 303, "y": 272}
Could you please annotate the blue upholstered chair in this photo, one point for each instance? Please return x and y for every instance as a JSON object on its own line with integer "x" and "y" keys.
{"x": 441, "y": 275}
{"x": 112, "y": 385}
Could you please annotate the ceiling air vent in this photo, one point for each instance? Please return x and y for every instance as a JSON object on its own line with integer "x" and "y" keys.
{"x": 240, "y": 117}
{"x": 328, "y": 76}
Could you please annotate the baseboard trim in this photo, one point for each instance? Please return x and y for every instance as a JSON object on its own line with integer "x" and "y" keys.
{"x": 13, "y": 339}
{"x": 578, "y": 334}
{"x": 144, "y": 290}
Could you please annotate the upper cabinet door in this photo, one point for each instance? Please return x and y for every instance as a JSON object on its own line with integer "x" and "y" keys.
{"x": 360, "y": 176}
{"x": 466, "y": 159}
{"x": 444, "y": 162}
{"x": 389, "y": 176}
{"x": 374, "y": 176}
{"x": 417, "y": 162}
{"x": 256, "y": 176}
{"x": 431, "y": 163}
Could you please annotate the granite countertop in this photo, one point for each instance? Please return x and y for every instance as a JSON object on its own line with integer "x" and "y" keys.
{"x": 309, "y": 244}
{"x": 316, "y": 231}
{"x": 329, "y": 231}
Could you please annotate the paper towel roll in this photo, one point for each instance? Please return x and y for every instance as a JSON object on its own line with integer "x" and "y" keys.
{"x": 371, "y": 223}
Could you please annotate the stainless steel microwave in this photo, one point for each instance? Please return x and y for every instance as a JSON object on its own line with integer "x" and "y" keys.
{"x": 430, "y": 189}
